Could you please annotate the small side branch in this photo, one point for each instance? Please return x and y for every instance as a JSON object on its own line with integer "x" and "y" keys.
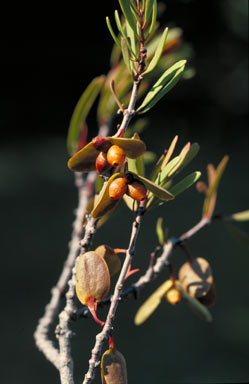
{"x": 96, "y": 351}
{"x": 43, "y": 343}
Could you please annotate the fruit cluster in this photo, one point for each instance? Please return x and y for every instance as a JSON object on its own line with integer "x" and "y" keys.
{"x": 102, "y": 153}
{"x": 113, "y": 157}
{"x": 127, "y": 185}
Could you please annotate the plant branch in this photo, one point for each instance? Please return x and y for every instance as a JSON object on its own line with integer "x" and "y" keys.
{"x": 156, "y": 265}
{"x": 100, "y": 338}
{"x": 43, "y": 343}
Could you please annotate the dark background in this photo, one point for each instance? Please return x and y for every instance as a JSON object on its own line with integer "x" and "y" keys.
{"x": 41, "y": 82}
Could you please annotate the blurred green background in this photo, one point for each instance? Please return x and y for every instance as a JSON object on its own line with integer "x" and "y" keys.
{"x": 42, "y": 81}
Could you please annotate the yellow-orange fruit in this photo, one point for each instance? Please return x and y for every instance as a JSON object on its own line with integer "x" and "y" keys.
{"x": 173, "y": 295}
{"x": 118, "y": 188}
{"x": 102, "y": 164}
{"x": 115, "y": 155}
{"x": 136, "y": 190}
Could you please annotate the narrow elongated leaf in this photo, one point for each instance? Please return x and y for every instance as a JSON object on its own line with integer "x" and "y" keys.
{"x": 148, "y": 10}
{"x": 193, "y": 151}
{"x": 241, "y": 216}
{"x": 198, "y": 308}
{"x": 132, "y": 39}
{"x": 136, "y": 165}
{"x": 182, "y": 155}
{"x": 185, "y": 183}
{"x": 170, "y": 152}
{"x": 154, "y": 16}
{"x": 125, "y": 6}
{"x": 160, "y": 231}
{"x": 163, "y": 85}
{"x": 81, "y": 111}
{"x": 158, "y": 53}
{"x": 128, "y": 44}
{"x": 239, "y": 235}
{"x": 156, "y": 190}
{"x": 151, "y": 304}
{"x": 211, "y": 172}
{"x": 168, "y": 169}
{"x": 209, "y": 203}
{"x": 126, "y": 54}
{"x": 116, "y": 40}
{"x": 119, "y": 25}
{"x": 219, "y": 171}
{"x": 157, "y": 167}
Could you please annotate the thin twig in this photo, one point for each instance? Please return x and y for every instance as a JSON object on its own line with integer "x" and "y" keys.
{"x": 63, "y": 331}
{"x": 155, "y": 267}
{"x": 95, "y": 357}
{"x": 43, "y": 343}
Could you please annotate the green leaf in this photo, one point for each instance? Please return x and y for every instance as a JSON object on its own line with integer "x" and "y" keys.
{"x": 126, "y": 54}
{"x": 116, "y": 40}
{"x": 239, "y": 235}
{"x": 193, "y": 151}
{"x": 185, "y": 183}
{"x": 158, "y": 53}
{"x": 133, "y": 147}
{"x": 160, "y": 231}
{"x": 131, "y": 203}
{"x": 156, "y": 190}
{"x": 167, "y": 170}
{"x": 84, "y": 160}
{"x": 148, "y": 10}
{"x": 132, "y": 39}
{"x": 163, "y": 85}
{"x": 128, "y": 48}
{"x": 125, "y": 6}
{"x": 240, "y": 216}
{"x": 81, "y": 111}
{"x": 119, "y": 25}
{"x": 213, "y": 187}
{"x": 157, "y": 167}
{"x": 198, "y": 308}
{"x": 136, "y": 165}
{"x": 219, "y": 172}
{"x": 151, "y": 304}
{"x": 154, "y": 16}
{"x": 169, "y": 152}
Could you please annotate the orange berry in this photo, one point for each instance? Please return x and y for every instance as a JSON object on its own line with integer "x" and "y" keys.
{"x": 173, "y": 296}
{"x": 102, "y": 164}
{"x": 118, "y": 188}
{"x": 137, "y": 190}
{"x": 115, "y": 155}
